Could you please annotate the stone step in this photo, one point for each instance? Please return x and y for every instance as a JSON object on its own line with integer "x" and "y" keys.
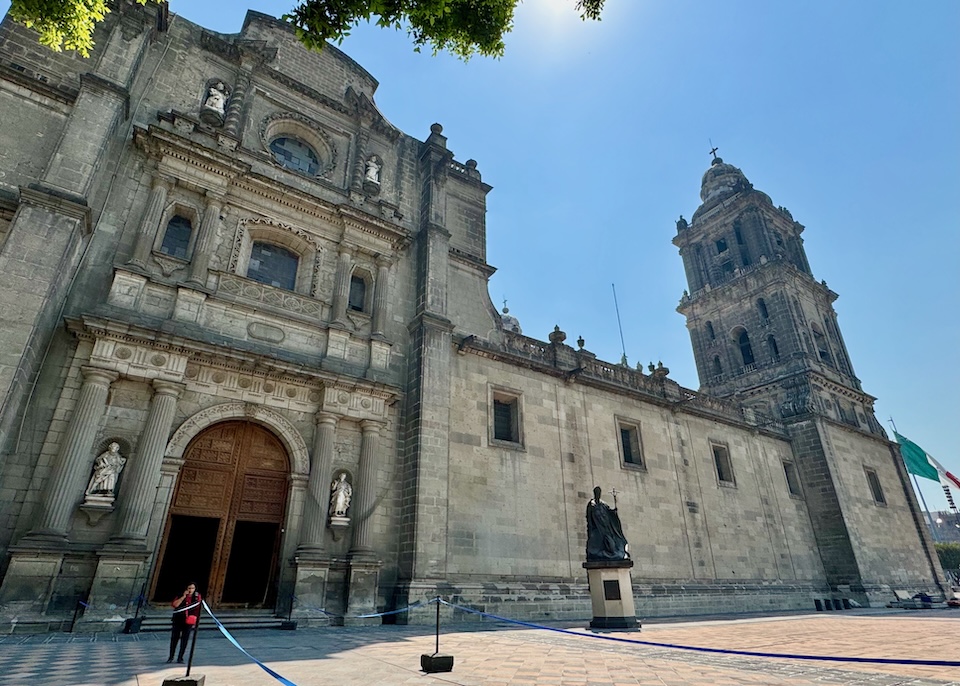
{"x": 232, "y": 619}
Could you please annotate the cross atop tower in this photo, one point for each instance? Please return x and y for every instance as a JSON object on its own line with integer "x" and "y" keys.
{"x": 713, "y": 150}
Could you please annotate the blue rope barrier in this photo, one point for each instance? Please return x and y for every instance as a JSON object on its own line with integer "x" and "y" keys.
{"x": 419, "y": 603}
{"x": 229, "y": 637}
{"x": 720, "y": 651}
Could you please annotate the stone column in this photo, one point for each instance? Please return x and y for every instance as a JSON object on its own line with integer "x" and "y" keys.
{"x": 208, "y": 231}
{"x": 150, "y": 221}
{"x": 365, "y": 490}
{"x": 341, "y": 291}
{"x": 380, "y": 299}
{"x": 143, "y": 474}
{"x": 231, "y": 124}
{"x": 318, "y": 488}
{"x": 66, "y": 483}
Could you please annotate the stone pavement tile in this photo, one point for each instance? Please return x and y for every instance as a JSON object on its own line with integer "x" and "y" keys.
{"x": 503, "y": 654}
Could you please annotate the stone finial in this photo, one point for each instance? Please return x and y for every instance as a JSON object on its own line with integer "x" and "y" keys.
{"x": 581, "y": 342}
{"x": 557, "y": 336}
{"x": 436, "y": 128}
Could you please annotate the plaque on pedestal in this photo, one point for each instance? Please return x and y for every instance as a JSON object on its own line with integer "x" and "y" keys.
{"x": 611, "y": 594}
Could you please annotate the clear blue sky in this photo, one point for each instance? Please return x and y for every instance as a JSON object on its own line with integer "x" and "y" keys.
{"x": 595, "y": 136}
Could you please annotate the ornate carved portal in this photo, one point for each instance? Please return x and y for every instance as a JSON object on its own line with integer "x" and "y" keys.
{"x": 225, "y": 522}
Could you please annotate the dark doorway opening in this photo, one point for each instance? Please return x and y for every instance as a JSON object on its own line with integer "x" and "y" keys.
{"x": 253, "y": 555}
{"x": 188, "y": 556}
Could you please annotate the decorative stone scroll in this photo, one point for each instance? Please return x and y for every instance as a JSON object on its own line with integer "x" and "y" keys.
{"x": 280, "y": 425}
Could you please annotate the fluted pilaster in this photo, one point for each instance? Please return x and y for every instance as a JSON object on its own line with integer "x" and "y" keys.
{"x": 231, "y": 124}
{"x": 150, "y": 221}
{"x": 342, "y": 289}
{"x": 66, "y": 484}
{"x": 208, "y": 231}
{"x": 318, "y": 487}
{"x": 380, "y": 299}
{"x": 365, "y": 488}
{"x": 143, "y": 473}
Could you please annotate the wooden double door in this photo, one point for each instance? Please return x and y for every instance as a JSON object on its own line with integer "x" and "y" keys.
{"x": 226, "y": 518}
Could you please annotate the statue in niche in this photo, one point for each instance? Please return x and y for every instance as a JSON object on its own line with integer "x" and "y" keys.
{"x": 215, "y": 104}
{"x": 106, "y": 471}
{"x": 373, "y": 167}
{"x": 341, "y": 493}
{"x": 605, "y": 539}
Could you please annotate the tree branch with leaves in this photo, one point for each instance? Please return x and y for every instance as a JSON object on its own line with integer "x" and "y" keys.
{"x": 461, "y": 27}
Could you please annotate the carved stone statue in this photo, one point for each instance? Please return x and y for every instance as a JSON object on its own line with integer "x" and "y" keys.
{"x": 605, "y": 539}
{"x": 216, "y": 98}
{"x": 340, "y": 494}
{"x": 373, "y": 167}
{"x": 106, "y": 470}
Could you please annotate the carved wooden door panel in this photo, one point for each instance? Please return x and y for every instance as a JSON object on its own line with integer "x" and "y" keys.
{"x": 234, "y": 478}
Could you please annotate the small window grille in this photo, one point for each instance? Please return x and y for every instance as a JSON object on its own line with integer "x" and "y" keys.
{"x": 273, "y": 265}
{"x": 630, "y": 444}
{"x": 721, "y": 459}
{"x": 875, "y": 487}
{"x": 506, "y": 418}
{"x": 358, "y": 294}
{"x": 176, "y": 238}
{"x": 793, "y": 479}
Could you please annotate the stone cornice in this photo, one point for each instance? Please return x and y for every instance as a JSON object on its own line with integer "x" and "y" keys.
{"x": 104, "y": 86}
{"x": 92, "y": 328}
{"x": 159, "y": 143}
{"x": 34, "y": 83}
{"x": 74, "y": 207}
{"x": 472, "y": 262}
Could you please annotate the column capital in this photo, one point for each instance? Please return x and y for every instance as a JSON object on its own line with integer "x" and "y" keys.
{"x": 299, "y": 480}
{"x": 163, "y": 181}
{"x": 325, "y": 418}
{"x": 163, "y": 387}
{"x": 98, "y": 375}
{"x": 384, "y": 261}
{"x": 347, "y": 250}
{"x": 371, "y": 426}
{"x": 214, "y": 197}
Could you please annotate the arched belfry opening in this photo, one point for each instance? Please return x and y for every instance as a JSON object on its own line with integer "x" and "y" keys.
{"x": 224, "y": 526}
{"x": 746, "y": 349}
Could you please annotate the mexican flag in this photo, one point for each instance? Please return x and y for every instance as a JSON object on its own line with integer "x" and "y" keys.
{"x": 921, "y": 463}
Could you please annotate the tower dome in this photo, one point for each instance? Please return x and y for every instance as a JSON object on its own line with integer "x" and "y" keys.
{"x": 721, "y": 180}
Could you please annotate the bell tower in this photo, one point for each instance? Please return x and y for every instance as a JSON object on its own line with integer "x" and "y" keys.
{"x": 761, "y": 325}
{"x": 764, "y": 331}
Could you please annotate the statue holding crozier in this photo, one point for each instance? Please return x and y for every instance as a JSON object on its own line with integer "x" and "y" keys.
{"x": 608, "y": 567}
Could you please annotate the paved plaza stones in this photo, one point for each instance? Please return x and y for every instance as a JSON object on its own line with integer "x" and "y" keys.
{"x": 501, "y": 654}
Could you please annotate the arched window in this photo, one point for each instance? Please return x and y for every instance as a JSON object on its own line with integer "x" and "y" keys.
{"x": 295, "y": 154}
{"x": 176, "y": 237}
{"x": 710, "y": 333}
{"x": 820, "y": 342}
{"x": 746, "y": 350}
{"x": 358, "y": 294}
{"x": 772, "y": 348}
{"x": 717, "y": 366}
{"x": 762, "y": 309}
{"x": 273, "y": 265}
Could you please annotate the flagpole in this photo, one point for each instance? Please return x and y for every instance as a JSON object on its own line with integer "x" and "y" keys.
{"x": 933, "y": 529}
{"x": 916, "y": 484}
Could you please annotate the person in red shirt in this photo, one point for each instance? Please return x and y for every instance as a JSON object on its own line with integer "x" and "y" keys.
{"x": 186, "y": 614}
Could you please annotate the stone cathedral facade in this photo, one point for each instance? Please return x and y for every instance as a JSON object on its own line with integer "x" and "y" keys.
{"x": 247, "y": 341}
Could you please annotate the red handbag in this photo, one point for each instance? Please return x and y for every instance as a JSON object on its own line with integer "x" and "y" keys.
{"x": 191, "y": 620}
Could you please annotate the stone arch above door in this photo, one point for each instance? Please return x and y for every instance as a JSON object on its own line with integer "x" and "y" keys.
{"x": 276, "y": 422}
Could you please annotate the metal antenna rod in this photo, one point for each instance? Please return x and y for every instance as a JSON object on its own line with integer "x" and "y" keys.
{"x": 623, "y": 347}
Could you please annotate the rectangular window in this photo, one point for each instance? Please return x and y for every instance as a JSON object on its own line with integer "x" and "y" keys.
{"x": 505, "y": 418}
{"x": 793, "y": 479}
{"x": 721, "y": 459}
{"x": 721, "y": 245}
{"x": 631, "y": 451}
{"x": 875, "y": 487}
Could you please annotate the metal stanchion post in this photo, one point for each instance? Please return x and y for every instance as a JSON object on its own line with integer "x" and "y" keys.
{"x": 432, "y": 664}
{"x": 193, "y": 644}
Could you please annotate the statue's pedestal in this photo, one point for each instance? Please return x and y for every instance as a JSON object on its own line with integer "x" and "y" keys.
{"x": 611, "y": 594}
